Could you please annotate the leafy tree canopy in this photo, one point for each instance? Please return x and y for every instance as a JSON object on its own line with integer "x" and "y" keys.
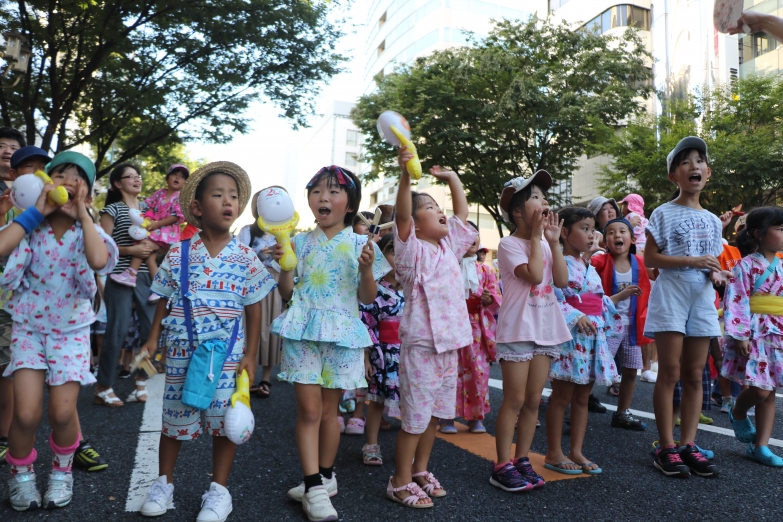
{"x": 124, "y": 75}
{"x": 532, "y": 95}
{"x": 741, "y": 125}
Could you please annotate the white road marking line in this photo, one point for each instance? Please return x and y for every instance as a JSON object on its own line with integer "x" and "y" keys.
{"x": 497, "y": 383}
{"x": 145, "y": 468}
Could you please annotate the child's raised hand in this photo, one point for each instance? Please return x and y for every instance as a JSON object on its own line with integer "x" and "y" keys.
{"x": 725, "y": 218}
{"x": 5, "y": 201}
{"x": 552, "y": 225}
{"x": 706, "y": 262}
{"x": 585, "y": 326}
{"x": 43, "y": 204}
{"x": 443, "y": 175}
{"x": 367, "y": 257}
{"x": 403, "y": 157}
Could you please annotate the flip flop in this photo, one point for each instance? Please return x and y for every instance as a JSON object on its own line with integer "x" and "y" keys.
{"x": 560, "y": 469}
{"x": 587, "y": 468}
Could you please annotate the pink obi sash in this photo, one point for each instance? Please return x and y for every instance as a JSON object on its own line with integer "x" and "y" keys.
{"x": 389, "y": 332}
{"x": 588, "y": 304}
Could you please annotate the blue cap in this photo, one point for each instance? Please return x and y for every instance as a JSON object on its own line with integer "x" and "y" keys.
{"x": 29, "y": 152}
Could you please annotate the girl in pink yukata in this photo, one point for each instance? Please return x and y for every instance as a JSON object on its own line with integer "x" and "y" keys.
{"x": 54, "y": 255}
{"x": 597, "y": 329}
{"x": 483, "y": 300}
{"x": 323, "y": 335}
{"x": 434, "y": 326}
{"x": 753, "y": 315}
{"x": 530, "y": 324}
{"x": 166, "y": 216}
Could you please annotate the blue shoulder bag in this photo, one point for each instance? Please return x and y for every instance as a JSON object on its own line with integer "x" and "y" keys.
{"x": 208, "y": 358}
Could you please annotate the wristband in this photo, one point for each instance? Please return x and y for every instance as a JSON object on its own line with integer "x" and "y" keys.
{"x": 29, "y": 219}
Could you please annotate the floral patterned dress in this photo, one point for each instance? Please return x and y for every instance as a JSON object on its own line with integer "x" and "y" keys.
{"x": 384, "y": 385}
{"x": 161, "y": 207}
{"x": 474, "y": 359}
{"x": 763, "y": 366}
{"x": 587, "y": 358}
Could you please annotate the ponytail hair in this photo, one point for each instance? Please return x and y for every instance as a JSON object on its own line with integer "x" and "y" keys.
{"x": 757, "y": 222}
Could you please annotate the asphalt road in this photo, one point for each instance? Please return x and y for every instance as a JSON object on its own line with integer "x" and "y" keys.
{"x": 629, "y": 488}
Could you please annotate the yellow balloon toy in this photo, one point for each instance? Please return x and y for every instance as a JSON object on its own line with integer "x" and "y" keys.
{"x": 276, "y": 215}
{"x": 28, "y": 187}
{"x": 396, "y": 131}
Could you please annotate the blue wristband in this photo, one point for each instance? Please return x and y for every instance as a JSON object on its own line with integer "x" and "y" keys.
{"x": 29, "y": 219}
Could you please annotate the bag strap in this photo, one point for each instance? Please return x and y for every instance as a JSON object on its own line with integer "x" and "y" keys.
{"x": 773, "y": 265}
{"x": 184, "y": 273}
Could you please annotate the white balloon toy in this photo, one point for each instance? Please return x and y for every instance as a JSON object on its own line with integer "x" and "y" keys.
{"x": 138, "y": 230}
{"x": 239, "y": 420}
{"x": 394, "y": 128}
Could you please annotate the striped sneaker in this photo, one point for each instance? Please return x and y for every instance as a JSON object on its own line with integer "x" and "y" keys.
{"x": 88, "y": 459}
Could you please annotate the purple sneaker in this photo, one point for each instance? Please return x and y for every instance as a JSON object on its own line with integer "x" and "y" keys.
{"x": 126, "y": 278}
{"x": 528, "y": 473}
{"x": 508, "y": 478}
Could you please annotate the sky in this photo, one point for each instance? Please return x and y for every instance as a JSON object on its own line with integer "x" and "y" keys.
{"x": 263, "y": 151}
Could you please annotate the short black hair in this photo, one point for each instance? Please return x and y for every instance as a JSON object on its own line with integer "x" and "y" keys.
{"x": 356, "y": 219}
{"x": 354, "y": 192}
{"x": 676, "y": 160}
{"x": 9, "y": 133}
{"x": 202, "y": 185}
{"x": 572, "y": 216}
{"x": 62, "y": 167}
{"x": 469, "y": 222}
{"x": 386, "y": 243}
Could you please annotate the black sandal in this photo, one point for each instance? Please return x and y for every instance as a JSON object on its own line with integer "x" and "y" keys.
{"x": 264, "y": 389}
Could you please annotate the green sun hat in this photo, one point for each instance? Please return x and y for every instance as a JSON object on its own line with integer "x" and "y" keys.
{"x": 81, "y": 160}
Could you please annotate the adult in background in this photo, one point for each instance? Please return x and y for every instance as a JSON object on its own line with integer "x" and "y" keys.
{"x": 263, "y": 244}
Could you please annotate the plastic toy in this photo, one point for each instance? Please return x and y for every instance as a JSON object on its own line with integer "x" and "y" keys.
{"x": 395, "y": 130}
{"x": 138, "y": 230}
{"x": 276, "y": 215}
{"x": 374, "y": 227}
{"x": 239, "y": 421}
{"x": 28, "y": 187}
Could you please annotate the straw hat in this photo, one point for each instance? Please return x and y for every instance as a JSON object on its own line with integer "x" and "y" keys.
{"x": 188, "y": 192}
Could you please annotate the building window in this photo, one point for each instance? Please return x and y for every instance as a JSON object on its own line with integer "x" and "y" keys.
{"x": 556, "y": 4}
{"x": 353, "y": 138}
{"x": 373, "y": 198}
{"x": 762, "y": 44}
{"x": 350, "y": 160}
{"x": 382, "y": 20}
{"x": 381, "y": 47}
{"x": 620, "y": 16}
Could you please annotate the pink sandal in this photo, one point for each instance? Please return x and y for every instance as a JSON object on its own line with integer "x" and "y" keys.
{"x": 431, "y": 485}
{"x": 416, "y": 494}
{"x": 354, "y": 427}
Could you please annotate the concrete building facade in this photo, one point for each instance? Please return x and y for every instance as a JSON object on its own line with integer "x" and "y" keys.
{"x": 758, "y": 53}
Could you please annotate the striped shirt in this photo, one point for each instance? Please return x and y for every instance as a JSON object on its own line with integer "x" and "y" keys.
{"x": 685, "y": 231}
{"x": 120, "y": 213}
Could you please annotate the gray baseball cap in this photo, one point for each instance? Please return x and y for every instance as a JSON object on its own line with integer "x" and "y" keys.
{"x": 596, "y": 204}
{"x": 691, "y": 142}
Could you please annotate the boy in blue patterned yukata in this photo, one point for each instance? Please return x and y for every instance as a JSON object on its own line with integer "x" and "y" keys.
{"x": 323, "y": 335}
{"x": 225, "y": 279}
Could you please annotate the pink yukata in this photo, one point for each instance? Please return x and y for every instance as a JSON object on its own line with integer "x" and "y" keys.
{"x": 51, "y": 305}
{"x": 474, "y": 359}
{"x": 763, "y": 366}
{"x": 161, "y": 207}
{"x": 434, "y": 325}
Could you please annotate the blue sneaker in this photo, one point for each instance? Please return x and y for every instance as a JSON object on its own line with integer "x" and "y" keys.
{"x": 508, "y": 478}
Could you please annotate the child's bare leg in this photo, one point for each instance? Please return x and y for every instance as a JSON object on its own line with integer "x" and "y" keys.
{"x": 62, "y": 413}
{"x": 135, "y": 264}
{"x": 6, "y": 403}
{"x": 152, "y": 265}
{"x": 361, "y": 397}
{"x": 373, "y": 424}
{"x": 423, "y": 452}
{"x": 309, "y": 404}
{"x": 562, "y": 394}
{"x": 223, "y": 452}
{"x": 647, "y": 350}
{"x": 579, "y": 421}
{"x": 627, "y": 387}
{"x": 694, "y": 356}
{"x": 28, "y": 407}
{"x": 765, "y": 418}
{"x": 405, "y": 452}
{"x": 526, "y": 426}
{"x": 747, "y": 399}
{"x": 515, "y": 375}
{"x": 668, "y": 375}
{"x": 167, "y": 456}
{"x": 329, "y": 432}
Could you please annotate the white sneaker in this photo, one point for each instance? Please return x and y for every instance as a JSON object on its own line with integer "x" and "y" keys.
{"x": 60, "y": 490}
{"x": 330, "y": 484}
{"x": 160, "y": 498}
{"x": 654, "y": 367}
{"x": 649, "y": 376}
{"x": 215, "y": 504}
{"x": 23, "y": 492}
{"x": 317, "y": 506}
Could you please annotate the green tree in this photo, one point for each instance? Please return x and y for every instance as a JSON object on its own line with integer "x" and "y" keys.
{"x": 125, "y": 75}
{"x": 530, "y": 96}
{"x": 741, "y": 124}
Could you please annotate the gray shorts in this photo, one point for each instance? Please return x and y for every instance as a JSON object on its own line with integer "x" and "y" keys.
{"x": 524, "y": 351}
{"x": 683, "y": 301}
{"x": 5, "y": 337}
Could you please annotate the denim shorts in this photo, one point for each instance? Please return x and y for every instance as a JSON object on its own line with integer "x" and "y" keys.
{"x": 683, "y": 301}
